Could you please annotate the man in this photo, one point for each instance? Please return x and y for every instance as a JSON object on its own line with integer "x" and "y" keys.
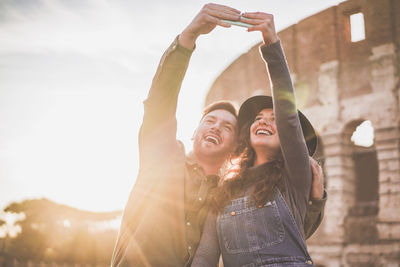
{"x": 166, "y": 210}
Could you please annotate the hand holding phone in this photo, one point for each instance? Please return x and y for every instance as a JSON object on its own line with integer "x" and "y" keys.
{"x": 237, "y": 23}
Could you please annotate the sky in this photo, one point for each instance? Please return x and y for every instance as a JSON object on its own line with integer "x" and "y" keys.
{"x": 73, "y": 76}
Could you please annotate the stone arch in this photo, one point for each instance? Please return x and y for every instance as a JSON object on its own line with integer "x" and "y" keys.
{"x": 361, "y": 220}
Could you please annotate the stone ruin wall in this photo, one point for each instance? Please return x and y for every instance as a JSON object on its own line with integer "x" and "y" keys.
{"x": 339, "y": 84}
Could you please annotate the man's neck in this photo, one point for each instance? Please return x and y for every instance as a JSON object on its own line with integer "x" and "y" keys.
{"x": 210, "y": 165}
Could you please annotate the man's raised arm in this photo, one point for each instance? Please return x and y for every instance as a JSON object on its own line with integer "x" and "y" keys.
{"x": 158, "y": 131}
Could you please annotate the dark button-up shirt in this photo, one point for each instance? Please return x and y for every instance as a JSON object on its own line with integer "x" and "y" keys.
{"x": 168, "y": 205}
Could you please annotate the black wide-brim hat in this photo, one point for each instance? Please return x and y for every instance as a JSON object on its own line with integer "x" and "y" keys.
{"x": 252, "y": 106}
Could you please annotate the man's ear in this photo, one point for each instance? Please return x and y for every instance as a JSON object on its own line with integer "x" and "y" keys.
{"x": 194, "y": 133}
{"x": 195, "y": 130}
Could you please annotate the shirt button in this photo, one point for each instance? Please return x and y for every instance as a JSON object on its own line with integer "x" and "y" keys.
{"x": 200, "y": 199}
{"x": 188, "y": 223}
{"x": 310, "y": 202}
{"x": 189, "y": 247}
{"x": 309, "y": 262}
{"x": 233, "y": 213}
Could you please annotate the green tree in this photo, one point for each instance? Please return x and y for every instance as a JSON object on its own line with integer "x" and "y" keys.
{"x": 54, "y": 232}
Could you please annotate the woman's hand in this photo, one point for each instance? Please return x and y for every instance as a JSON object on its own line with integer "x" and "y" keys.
{"x": 262, "y": 22}
{"x": 317, "y": 190}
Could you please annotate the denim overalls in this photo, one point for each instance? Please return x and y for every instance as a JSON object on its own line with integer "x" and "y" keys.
{"x": 261, "y": 236}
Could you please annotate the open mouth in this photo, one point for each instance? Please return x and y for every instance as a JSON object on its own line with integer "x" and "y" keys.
{"x": 266, "y": 132}
{"x": 212, "y": 139}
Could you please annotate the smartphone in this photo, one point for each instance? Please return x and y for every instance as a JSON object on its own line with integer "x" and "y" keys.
{"x": 237, "y": 23}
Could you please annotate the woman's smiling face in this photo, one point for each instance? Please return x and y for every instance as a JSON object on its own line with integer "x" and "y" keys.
{"x": 263, "y": 132}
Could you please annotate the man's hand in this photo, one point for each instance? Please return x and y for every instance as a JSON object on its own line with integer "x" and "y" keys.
{"x": 206, "y": 20}
{"x": 317, "y": 190}
{"x": 262, "y": 22}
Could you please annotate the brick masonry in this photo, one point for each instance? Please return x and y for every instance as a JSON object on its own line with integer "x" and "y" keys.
{"x": 339, "y": 84}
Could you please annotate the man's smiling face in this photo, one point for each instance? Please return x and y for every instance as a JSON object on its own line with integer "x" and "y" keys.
{"x": 216, "y": 134}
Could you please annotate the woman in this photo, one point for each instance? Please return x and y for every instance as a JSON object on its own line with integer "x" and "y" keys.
{"x": 261, "y": 209}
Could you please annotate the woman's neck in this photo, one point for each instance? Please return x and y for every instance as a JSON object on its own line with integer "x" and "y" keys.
{"x": 260, "y": 161}
{"x": 263, "y": 156}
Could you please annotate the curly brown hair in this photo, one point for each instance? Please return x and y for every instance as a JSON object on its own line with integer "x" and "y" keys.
{"x": 237, "y": 178}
